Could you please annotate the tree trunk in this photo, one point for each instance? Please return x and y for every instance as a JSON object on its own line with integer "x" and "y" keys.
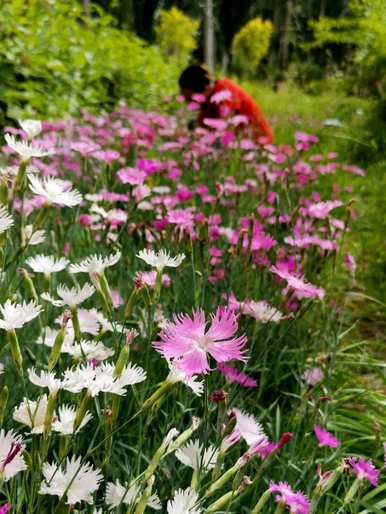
{"x": 285, "y": 36}
{"x": 209, "y": 35}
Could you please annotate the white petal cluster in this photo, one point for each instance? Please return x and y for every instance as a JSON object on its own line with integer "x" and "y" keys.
{"x": 46, "y": 379}
{"x": 6, "y": 221}
{"x": 31, "y": 237}
{"x": 95, "y": 263}
{"x": 90, "y": 350}
{"x": 46, "y": 264}
{"x": 118, "y": 494}
{"x": 250, "y": 429}
{"x": 79, "y": 481}
{"x": 31, "y": 127}
{"x": 32, "y": 413}
{"x": 24, "y": 149}
{"x": 196, "y": 457}
{"x": 177, "y": 375}
{"x": 15, "y": 315}
{"x": 97, "y": 379}
{"x": 261, "y": 311}
{"x": 85, "y": 349}
{"x": 71, "y": 297}
{"x": 184, "y": 502}
{"x": 54, "y": 191}
{"x": 161, "y": 259}
{"x": 10, "y": 464}
{"x": 64, "y": 421}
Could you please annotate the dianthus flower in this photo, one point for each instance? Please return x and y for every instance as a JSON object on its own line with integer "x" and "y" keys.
{"x": 325, "y": 438}
{"x": 296, "y": 502}
{"x": 238, "y": 377}
{"x": 301, "y": 288}
{"x": 364, "y": 470}
{"x": 188, "y": 341}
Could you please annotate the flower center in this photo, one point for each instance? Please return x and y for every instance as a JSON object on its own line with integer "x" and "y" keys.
{"x": 203, "y": 342}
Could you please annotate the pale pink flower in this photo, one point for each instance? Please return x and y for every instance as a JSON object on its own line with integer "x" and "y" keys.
{"x": 188, "y": 341}
{"x": 321, "y": 210}
{"x": 313, "y": 376}
{"x": 302, "y": 289}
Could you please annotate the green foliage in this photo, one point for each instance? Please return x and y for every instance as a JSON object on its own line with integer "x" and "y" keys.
{"x": 176, "y": 34}
{"x": 251, "y": 44}
{"x": 365, "y": 30}
{"x": 55, "y": 60}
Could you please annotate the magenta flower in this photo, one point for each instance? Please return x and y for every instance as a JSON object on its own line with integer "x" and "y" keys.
{"x": 238, "y": 377}
{"x": 188, "y": 341}
{"x": 325, "y": 438}
{"x": 6, "y": 507}
{"x": 296, "y": 502}
{"x": 364, "y": 469}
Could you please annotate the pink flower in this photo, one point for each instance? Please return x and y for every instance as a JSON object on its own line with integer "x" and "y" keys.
{"x": 131, "y": 176}
{"x": 217, "y": 124}
{"x": 238, "y": 377}
{"x": 325, "y": 438}
{"x": 313, "y": 376}
{"x": 296, "y": 502}
{"x": 221, "y": 96}
{"x": 364, "y": 470}
{"x": 188, "y": 341}
{"x": 349, "y": 262}
{"x": 321, "y": 210}
{"x": 149, "y": 278}
{"x": 302, "y": 289}
{"x": 6, "y": 507}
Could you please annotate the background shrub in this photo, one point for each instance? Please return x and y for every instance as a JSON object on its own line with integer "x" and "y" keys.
{"x": 251, "y": 44}
{"x": 55, "y": 60}
{"x": 176, "y": 34}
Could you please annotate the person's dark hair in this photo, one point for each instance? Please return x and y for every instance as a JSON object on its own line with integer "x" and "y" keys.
{"x": 195, "y": 78}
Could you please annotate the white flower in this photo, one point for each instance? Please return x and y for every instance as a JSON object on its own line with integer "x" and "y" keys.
{"x": 1, "y": 368}
{"x": 196, "y": 457}
{"x": 90, "y": 350}
{"x": 161, "y": 259}
{"x": 79, "y": 481}
{"x": 64, "y": 423}
{"x": 17, "y": 314}
{"x": 11, "y": 459}
{"x": 71, "y": 297}
{"x": 116, "y": 494}
{"x": 6, "y": 220}
{"x": 24, "y": 149}
{"x": 55, "y": 191}
{"x": 48, "y": 339}
{"x": 32, "y": 413}
{"x": 95, "y": 264}
{"x": 261, "y": 311}
{"x": 102, "y": 378}
{"x": 46, "y": 264}
{"x": 184, "y": 502}
{"x": 46, "y": 379}
{"x": 88, "y": 321}
{"x": 251, "y": 431}
{"x": 31, "y": 127}
{"x": 177, "y": 375}
{"x": 32, "y": 238}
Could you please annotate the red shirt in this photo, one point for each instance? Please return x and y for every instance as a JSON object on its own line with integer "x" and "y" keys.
{"x": 240, "y": 103}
